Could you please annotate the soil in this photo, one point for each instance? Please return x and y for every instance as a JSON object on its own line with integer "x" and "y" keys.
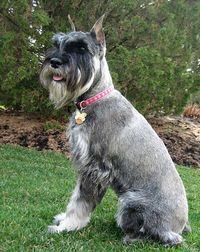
{"x": 31, "y": 131}
{"x": 180, "y": 135}
{"x": 182, "y": 138}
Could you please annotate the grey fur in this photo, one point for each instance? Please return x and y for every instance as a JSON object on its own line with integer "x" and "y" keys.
{"x": 115, "y": 147}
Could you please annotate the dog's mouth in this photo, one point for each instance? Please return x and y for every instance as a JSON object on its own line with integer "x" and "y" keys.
{"x": 57, "y": 77}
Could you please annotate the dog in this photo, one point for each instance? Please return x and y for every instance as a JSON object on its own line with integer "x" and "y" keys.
{"x": 112, "y": 145}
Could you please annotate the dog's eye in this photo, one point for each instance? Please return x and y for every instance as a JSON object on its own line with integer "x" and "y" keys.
{"x": 76, "y": 47}
{"x": 82, "y": 49}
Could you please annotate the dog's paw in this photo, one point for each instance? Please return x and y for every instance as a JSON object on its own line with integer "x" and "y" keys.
{"x": 171, "y": 239}
{"x": 54, "y": 229}
{"x": 69, "y": 224}
{"x": 128, "y": 240}
{"x": 58, "y": 218}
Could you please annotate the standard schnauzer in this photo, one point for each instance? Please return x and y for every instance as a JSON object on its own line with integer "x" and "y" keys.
{"x": 112, "y": 145}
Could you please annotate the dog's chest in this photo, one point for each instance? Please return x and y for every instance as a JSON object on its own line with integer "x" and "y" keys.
{"x": 79, "y": 141}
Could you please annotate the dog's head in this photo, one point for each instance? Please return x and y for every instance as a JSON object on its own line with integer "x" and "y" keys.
{"x": 72, "y": 66}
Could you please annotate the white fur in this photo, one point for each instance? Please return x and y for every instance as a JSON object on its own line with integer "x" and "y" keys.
{"x": 58, "y": 218}
{"x": 58, "y": 91}
{"x": 81, "y": 144}
{"x": 85, "y": 87}
{"x": 89, "y": 84}
{"x": 171, "y": 238}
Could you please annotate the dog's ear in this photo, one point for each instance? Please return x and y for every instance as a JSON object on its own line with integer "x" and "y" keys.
{"x": 71, "y": 23}
{"x": 97, "y": 31}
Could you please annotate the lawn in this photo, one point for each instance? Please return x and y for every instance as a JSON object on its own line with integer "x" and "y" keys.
{"x": 35, "y": 187}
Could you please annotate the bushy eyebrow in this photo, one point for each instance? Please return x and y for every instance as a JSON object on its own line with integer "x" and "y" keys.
{"x": 57, "y": 38}
{"x": 78, "y": 43}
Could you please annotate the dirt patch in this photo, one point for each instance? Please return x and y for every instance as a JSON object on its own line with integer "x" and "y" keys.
{"x": 181, "y": 136}
{"x": 30, "y": 131}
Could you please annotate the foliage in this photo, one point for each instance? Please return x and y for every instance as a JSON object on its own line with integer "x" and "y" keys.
{"x": 195, "y": 98}
{"x": 153, "y": 49}
{"x": 34, "y": 187}
{"x": 53, "y": 124}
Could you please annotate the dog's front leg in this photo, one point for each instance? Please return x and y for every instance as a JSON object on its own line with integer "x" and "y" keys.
{"x": 83, "y": 200}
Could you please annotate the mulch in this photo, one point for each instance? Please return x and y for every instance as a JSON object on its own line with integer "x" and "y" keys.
{"x": 180, "y": 135}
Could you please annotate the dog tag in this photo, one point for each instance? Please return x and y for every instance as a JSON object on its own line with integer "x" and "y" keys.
{"x": 80, "y": 117}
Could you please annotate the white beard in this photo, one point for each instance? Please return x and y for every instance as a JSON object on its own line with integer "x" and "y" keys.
{"x": 58, "y": 93}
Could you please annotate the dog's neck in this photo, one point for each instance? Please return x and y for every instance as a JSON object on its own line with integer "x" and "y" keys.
{"x": 102, "y": 81}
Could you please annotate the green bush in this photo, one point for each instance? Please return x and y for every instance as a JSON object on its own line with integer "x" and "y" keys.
{"x": 153, "y": 49}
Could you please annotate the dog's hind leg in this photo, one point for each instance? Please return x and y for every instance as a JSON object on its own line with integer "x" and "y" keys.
{"x": 84, "y": 199}
{"x": 130, "y": 221}
{"x": 130, "y": 217}
{"x": 187, "y": 228}
{"x": 160, "y": 227}
{"x": 168, "y": 238}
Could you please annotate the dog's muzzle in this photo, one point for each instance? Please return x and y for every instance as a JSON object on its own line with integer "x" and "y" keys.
{"x": 55, "y": 64}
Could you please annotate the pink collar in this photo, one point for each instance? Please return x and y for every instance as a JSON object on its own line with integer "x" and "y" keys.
{"x": 93, "y": 99}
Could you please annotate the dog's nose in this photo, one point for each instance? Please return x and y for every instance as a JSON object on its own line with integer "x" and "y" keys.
{"x": 55, "y": 62}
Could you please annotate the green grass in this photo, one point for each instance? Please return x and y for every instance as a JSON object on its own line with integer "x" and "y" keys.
{"x": 35, "y": 187}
